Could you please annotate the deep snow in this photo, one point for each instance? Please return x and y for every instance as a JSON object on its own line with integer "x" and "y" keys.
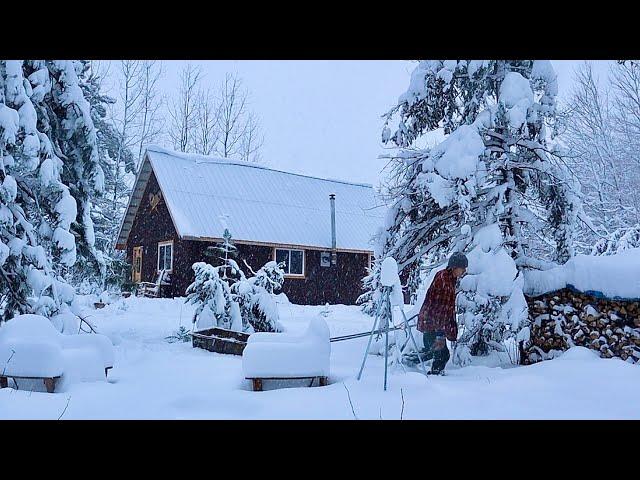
{"x": 154, "y": 379}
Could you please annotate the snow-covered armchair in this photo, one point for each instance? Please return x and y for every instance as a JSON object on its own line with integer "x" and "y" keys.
{"x": 32, "y": 348}
{"x": 278, "y": 356}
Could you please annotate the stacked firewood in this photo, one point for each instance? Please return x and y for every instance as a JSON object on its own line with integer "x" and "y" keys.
{"x": 566, "y": 318}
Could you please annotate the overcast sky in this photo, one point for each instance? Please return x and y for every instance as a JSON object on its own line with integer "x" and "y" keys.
{"x": 322, "y": 118}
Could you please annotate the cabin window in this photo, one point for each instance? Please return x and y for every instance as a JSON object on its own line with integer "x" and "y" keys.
{"x": 165, "y": 256}
{"x": 293, "y": 259}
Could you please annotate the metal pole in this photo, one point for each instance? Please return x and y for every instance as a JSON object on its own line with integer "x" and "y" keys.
{"x": 366, "y": 352}
{"x": 415, "y": 345}
{"x": 386, "y": 337}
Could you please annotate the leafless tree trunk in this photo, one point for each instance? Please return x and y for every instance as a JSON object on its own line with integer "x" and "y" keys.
{"x": 130, "y": 93}
{"x": 149, "y": 124}
{"x": 232, "y": 125}
{"x": 183, "y": 109}
{"x": 252, "y": 141}
{"x": 206, "y": 131}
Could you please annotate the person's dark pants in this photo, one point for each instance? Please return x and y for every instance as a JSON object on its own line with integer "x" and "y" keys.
{"x": 436, "y": 344}
{"x": 435, "y": 347}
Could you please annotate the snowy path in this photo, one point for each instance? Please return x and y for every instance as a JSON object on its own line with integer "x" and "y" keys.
{"x": 153, "y": 379}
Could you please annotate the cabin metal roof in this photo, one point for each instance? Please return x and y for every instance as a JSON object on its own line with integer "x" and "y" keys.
{"x": 205, "y": 195}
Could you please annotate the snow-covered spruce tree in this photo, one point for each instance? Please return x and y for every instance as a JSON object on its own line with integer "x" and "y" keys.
{"x": 225, "y": 251}
{"x": 70, "y": 126}
{"x": 47, "y": 145}
{"x": 215, "y": 303}
{"x": 255, "y": 297}
{"x": 492, "y": 188}
{"x": 107, "y": 267}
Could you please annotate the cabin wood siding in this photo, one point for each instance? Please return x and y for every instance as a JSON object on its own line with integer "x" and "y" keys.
{"x": 150, "y": 227}
{"x": 337, "y": 284}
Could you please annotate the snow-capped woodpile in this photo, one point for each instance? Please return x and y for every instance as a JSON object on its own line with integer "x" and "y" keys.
{"x": 566, "y": 318}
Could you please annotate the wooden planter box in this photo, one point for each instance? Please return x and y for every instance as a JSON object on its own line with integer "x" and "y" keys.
{"x": 220, "y": 340}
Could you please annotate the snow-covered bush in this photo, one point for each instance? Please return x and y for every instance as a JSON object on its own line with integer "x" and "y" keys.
{"x": 212, "y": 295}
{"x": 270, "y": 277}
{"x": 620, "y": 240}
{"x": 255, "y": 296}
{"x": 180, "y": 335}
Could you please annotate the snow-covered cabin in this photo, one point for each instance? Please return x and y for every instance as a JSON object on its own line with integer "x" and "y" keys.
{"x": 182, "y": 203}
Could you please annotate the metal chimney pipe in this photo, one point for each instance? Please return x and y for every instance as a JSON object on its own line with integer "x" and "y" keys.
{"x": 334, "y": 253}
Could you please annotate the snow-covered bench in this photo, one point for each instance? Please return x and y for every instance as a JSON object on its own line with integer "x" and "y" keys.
{"x": 32, "y": 348}
{"x": 281, "y": 356}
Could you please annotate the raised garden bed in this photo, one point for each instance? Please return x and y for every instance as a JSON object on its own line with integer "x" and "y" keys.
{"x": 220, "y": 340}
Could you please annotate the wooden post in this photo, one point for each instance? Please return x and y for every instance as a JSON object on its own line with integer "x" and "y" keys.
{"x": 3, "y": 382}
{"x": 50, "y": 384}
{"x": 257, "y": 384}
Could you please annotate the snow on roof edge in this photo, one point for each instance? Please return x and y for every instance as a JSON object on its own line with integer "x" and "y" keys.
{"x": 213, "y": 159}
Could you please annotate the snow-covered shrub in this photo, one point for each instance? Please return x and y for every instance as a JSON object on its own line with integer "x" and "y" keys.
{"x": 491, "y": 299}
{"x": 180, "y": 335}
{"x": 618, "y": 241}
{"x": 255, "y": 296}
{"x": 212, "y": 295}
{"x": 270, "y": 277}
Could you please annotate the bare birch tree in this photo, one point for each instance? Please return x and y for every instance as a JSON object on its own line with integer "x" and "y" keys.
{"x": 149, "y": 123}
{"x": 183, "y": 109}
{"x": 130, "y": 92}
{"x": 232, "y": 123}
{"x": 206, "y": 131}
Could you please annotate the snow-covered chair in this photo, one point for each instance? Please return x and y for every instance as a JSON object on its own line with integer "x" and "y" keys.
{"x": 281, "y": 356}
{"x": 32, "y": 348}
{"x": 149, "y": 289}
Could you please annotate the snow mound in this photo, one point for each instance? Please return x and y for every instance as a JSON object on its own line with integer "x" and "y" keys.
{"x": 580, "y": 354}
{"x": 286, "y": 355}
{"x": 31, "y": 346}
{"x": 612, "y": 276}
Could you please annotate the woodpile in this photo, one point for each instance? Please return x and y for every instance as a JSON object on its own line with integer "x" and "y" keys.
{"x": 566, "y": 318}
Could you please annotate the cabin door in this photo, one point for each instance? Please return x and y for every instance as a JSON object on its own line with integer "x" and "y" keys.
{"x": 137, "y": 265}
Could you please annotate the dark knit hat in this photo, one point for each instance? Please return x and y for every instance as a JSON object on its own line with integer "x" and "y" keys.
{"x": 458, "y": 260}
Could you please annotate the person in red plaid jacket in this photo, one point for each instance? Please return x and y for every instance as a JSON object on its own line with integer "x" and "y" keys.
{"x": 437, "y": 317}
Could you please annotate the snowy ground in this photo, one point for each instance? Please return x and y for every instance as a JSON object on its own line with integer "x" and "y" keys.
{"x": 154, "y": 379}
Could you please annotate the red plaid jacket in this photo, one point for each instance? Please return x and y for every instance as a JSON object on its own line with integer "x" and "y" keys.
{"x": 438, "y": 312}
